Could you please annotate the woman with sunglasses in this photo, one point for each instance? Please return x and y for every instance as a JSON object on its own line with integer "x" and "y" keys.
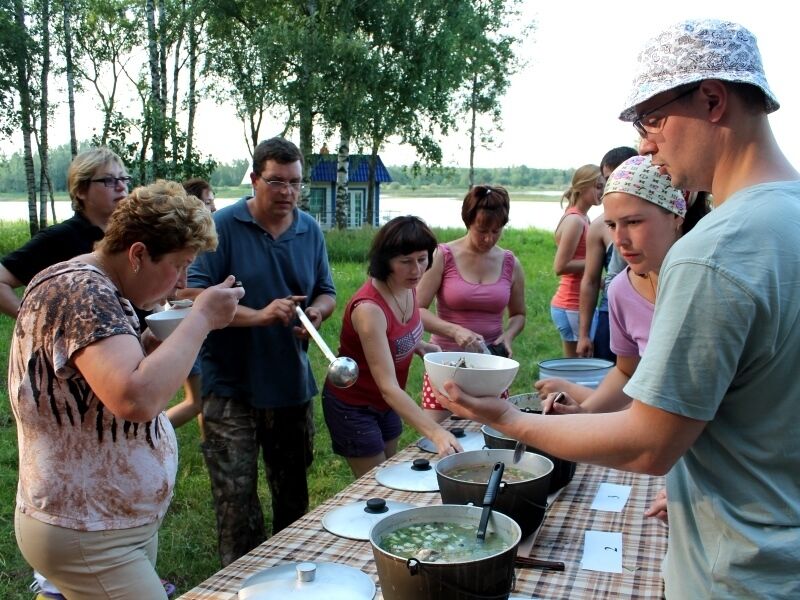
{"x": 97, "y": 180}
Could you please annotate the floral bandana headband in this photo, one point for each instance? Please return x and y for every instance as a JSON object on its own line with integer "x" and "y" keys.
{"x": 639, "y": 177}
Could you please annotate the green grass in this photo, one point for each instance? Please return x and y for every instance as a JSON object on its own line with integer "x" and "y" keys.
{"x": 187, "y": 548}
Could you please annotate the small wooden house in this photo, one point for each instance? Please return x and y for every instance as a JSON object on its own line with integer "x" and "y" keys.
{"x": 322, "y": 200}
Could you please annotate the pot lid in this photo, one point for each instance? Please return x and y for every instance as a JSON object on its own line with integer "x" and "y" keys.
{"x": 308, "y": 580}
{"x": 469, "y": 440}
{"x": 418, "y": 475}
{"x": 355, "y": 520}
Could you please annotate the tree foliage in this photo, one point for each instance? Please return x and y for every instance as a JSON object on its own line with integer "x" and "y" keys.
{"x": 366, "y": 71}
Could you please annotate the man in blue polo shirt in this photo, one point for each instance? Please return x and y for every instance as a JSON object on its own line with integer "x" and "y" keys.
{"x": 257, "y": 380}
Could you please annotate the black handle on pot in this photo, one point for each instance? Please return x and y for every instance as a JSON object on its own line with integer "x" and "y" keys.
{"x": 488, "y": 498}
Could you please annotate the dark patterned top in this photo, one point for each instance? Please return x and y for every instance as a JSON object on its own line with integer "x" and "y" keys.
{"x": 80, "y": 466}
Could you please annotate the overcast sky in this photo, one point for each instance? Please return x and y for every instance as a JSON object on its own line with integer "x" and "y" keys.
{"x": 561, "y": 109}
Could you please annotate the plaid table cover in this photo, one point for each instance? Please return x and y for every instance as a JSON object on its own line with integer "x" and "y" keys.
{"x": 559, "y": 538}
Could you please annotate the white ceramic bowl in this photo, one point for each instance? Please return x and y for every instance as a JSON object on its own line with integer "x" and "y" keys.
{"x": 484, "y": 375}
{"x": 163, "y": 323}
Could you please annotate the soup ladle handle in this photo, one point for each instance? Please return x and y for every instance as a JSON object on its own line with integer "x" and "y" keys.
{"x": 312, "y": 331}
{"x": 488, "y": 498}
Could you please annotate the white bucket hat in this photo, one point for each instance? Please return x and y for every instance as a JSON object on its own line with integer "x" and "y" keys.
{"x": 693, "y": 51}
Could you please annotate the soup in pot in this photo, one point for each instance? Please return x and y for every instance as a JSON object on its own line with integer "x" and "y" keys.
{"x": 441, "y": 542}
{"x": 480, "y": 473}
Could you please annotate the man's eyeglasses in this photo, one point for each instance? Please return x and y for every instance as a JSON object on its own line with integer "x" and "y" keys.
{"x": 111, "y": 182}
{"x": 292, "y": 186}
{"x": 650, "y": 123}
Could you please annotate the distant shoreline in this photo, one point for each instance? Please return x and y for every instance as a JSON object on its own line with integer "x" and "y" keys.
{"x": 233, "y": 192}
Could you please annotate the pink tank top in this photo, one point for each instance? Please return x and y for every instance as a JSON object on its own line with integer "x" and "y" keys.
{"x": 568, "y": 294}
{"x": 476, "y": 306}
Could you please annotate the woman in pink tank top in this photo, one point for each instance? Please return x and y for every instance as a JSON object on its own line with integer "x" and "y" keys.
{"x": 585, "y": 192}
{"x": 474, "y": 282}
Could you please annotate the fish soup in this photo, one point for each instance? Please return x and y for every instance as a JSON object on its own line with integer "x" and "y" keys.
{"x": 441, "y": 542}
{"x": 480, "y": 473}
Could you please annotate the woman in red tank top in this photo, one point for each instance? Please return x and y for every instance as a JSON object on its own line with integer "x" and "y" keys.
{"x": 585, "y": 192}
{"x": 381, "y": 331}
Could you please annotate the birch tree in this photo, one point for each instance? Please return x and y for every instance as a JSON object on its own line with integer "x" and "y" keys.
{"x": 69, "y": 71}
{"x": 157, "y": 106}
{"x": 45, "y": 186}
{"x": 22, "y": 50}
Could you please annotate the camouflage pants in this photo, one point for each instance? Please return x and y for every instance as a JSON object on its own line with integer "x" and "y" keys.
{"x": 235, "y": 432}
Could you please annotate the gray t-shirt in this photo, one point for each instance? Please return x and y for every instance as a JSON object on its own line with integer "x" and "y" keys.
{"x": 725, "y": 348}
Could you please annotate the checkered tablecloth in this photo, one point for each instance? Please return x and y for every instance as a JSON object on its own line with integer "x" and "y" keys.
{"x": 559, "y": 538}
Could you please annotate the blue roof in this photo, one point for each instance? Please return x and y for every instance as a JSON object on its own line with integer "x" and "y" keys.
{"x": 325, "y": 168}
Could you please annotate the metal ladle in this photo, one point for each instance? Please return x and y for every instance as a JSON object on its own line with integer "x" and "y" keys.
{"x": 342, "y": 371}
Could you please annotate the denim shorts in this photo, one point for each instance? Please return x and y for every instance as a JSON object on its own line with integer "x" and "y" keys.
{"x": 359, "y": 431}
{"x": 566, "y": 322}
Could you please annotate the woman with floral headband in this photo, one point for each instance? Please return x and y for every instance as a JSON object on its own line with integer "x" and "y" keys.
{"x": 646, "y": 216}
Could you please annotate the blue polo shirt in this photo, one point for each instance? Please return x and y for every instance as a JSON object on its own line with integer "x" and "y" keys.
{"x": 268, "y": 366}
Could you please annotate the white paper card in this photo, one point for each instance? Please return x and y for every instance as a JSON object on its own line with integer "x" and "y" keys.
{"x": 611, "y": 497}
{"x": 602, "y": 551}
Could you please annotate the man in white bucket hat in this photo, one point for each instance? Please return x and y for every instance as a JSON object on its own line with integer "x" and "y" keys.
{"x": 717, "y": 393}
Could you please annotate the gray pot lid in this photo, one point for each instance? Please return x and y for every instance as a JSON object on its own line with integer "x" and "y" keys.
{"x": 418, "y": 475}
{"x": 354, "y": 521}
{"x": 291, "y": 581}
{"x": 469, "y": 440}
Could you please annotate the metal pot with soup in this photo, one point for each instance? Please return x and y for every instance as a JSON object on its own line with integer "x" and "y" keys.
{"x": 563, "y": 470}
{"x": 523, "y": 493}
{"x": 432, "y": 552}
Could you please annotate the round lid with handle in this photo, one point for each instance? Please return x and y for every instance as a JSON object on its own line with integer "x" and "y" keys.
{"x": 354, "y": 521}
{"x": 418, "y": 475}
{"x": 309, "y": 581}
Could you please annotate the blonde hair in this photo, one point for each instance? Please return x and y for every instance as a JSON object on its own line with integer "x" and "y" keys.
{"x": 584, "y": 177}
{"x": 164, "y": 218}
{"x": 83, "y": 167}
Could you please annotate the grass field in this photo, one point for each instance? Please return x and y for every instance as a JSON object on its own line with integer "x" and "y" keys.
{"x": 187, "y": 547}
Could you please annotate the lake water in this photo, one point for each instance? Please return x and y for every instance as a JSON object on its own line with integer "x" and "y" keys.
{"x": 437, "y": 212}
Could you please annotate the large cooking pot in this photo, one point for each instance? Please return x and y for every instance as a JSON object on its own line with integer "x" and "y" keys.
{"x": 563, "y": 470}
{"x": 406, "y": 577}
{"x": 523, "y": 501}
{"x": 588, "y": 372}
